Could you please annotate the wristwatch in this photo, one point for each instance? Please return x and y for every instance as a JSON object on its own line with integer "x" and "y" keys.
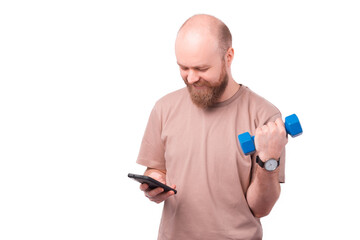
{"x": 270, "y": 165}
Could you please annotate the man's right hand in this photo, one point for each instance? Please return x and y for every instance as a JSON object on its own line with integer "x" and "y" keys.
{"x": 157, "y": 194}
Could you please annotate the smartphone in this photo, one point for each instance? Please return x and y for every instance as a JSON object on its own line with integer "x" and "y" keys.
{"x": 151, "y": 182}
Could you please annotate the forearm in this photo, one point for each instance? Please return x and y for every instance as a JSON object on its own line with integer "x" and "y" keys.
{"x": 263, "y": 192}
{"x": 148, "y": 171}
{"x": 155, "y": 172}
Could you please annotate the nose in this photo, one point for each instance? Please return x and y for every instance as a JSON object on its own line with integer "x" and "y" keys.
{"x": 192, "y": 77}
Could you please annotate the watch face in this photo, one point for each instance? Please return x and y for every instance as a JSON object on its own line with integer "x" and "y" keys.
{"x": 271, "y": 164}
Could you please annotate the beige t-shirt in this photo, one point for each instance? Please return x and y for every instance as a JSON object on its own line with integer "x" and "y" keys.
{"x": 200, "y": 151}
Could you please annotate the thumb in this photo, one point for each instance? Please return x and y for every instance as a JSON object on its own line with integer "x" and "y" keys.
{"x": 157, "y": 177}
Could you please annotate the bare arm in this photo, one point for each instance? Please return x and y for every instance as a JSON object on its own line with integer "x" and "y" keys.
{"x": 154, "y": 171}
{"x": 156, "y": 195}
{"x": 263, "y": 192}
{"x": 264, "y": 189}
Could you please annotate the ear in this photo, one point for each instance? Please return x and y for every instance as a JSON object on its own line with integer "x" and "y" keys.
{"x": 229, "y": 56}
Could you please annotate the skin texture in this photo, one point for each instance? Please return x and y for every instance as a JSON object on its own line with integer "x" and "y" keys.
{"x": 264, "y": 190}
{"x": 203, "y": 65}
{"x": 156, "y": 195}
{"x": 206, "y": 70}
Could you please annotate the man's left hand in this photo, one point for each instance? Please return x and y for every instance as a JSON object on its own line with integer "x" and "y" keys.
{"x": 270, "y": 140}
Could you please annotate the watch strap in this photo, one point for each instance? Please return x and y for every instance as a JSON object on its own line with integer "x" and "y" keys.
{"x": 262, "y": 164}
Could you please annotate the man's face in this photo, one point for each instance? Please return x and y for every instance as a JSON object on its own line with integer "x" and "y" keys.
{"x": 206, "y": 94}
{"x": 203, "y": 70}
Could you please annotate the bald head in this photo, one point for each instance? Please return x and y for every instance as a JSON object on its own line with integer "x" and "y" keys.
{"x": 204, "y": 54}
{"x": 205, "y": 28}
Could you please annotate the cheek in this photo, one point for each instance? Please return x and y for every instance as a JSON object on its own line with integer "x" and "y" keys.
{"x": 212, "y": 76}
{"x": 183, "y": 74}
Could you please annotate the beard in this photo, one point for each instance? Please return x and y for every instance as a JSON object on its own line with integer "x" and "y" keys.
{"x": 209, "y": 95}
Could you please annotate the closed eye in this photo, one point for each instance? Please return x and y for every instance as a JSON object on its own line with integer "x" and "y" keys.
{"x": 202, "y": 69}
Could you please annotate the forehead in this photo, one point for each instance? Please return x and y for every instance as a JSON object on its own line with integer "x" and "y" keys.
{"x": 195, "y": 49}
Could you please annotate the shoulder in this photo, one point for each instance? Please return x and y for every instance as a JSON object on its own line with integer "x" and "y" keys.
{"x": 171, "y": 102}
{"x": 257, "y": 100}
{"x": 172, "y": 99}
{"x": 259, "y": 107}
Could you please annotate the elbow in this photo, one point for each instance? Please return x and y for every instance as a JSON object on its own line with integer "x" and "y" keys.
{"x": 260, "y": 214}
{"x": 262, "y": 209}
{"x": 262, "y": 202}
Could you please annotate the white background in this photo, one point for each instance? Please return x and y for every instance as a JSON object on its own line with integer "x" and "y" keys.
{"x": 79, "y": 79}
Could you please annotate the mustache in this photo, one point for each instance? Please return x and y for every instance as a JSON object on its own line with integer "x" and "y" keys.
{"x": 200, "y": 83}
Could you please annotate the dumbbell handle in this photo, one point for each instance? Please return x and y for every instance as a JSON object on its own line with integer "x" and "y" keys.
{"x": 292, "y": 126}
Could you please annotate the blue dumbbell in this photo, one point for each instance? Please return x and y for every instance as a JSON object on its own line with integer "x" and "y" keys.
{"x": 292, "y": 126}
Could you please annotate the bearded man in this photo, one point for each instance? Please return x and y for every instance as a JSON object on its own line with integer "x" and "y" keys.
{"x": 190, "y": 143}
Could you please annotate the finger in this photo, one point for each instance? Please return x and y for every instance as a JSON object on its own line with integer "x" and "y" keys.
{"x": 157, "y": 177}
{"x": 163, "y": 196}
{"x": 168, "y": 194}
{"x": 144, "y": 187}
{"x": 154, "y": 192}
{"x": 279, "y": 122}
{"x": 271, "y": 126}
{"x": 264, "y": 128}
{"x": 259, "y": 130}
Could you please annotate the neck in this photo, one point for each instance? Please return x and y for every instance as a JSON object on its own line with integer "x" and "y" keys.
{"x": 230, "y": 90}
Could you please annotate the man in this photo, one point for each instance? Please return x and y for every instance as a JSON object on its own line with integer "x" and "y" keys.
{"x": 191, "y": 144}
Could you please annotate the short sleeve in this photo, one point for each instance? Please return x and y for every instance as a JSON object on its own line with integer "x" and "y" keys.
{"x": 152, "y": 148}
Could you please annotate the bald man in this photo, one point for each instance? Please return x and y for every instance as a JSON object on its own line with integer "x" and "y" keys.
{"x": 190, "y": 143}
